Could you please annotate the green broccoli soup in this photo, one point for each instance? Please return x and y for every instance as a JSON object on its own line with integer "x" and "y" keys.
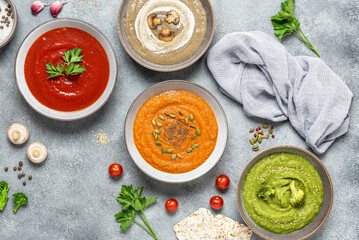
{"x": 283, "y": 192}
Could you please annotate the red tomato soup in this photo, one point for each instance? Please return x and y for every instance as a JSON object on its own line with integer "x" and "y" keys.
{"x": 66, "y": 93}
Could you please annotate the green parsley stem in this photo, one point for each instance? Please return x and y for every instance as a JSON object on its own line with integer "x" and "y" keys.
{"x": 306, "y": 40}
{"x": 144, "y": 219}
{"x": 145, "y": 229}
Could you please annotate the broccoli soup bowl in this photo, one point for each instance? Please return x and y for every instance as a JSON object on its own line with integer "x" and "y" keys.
{"x": 285, "y": 192}
{"x": 175, "y": 131}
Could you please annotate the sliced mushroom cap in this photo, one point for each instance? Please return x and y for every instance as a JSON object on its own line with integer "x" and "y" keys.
{"x": 168, "y": 38}
{"x": 153, "y": 21}
{"x": 165, "y": 32}
{"x": 37, "y": 152}
{"x": 18, "y": 133}
{"x": 173, "y": 17}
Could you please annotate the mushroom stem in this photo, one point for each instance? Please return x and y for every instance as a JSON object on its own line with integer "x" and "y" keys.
{"x": 15, "y": 135}
{"x": 36, "y": 153}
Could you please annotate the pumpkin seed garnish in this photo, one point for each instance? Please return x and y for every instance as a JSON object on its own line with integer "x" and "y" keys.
{"x": 194, "y": 137}
{"x": 179, "y": 156}
{"x": 270, "y": 130}
{"x": 251, "y": 141}
{"x": 195, "y": 146}
{"x": 163, "y": 150}
{"x": 153, "y": 123}
{"x": 260, "y": 131}
{"x": 198, "y": 132}
{"x": 180, "y": 112}
{"x": 153, "y": 134}
{"x": 172, "y": 115}
{"x": 255, "y": 148}
{"x": 169, "y": 150}
{"x": 265, "y": 126}
{"x": 156, "y": 137}
{"x": 267, "y": 135}
{"x": 158, "y": 143}
{"x": 191, "y": 117}
{"x": 192, "y": 126}
{"x": 251, "y": 130}
{"x": 157, "y": 131}
{"x": 161, "y": 117}
{"x": 254, "y": 140}
{"x": 159, "y": 124}
{"x": 260, "y": 140}
{"x": 174, "y": 156}
{"x": 189, "y": 150}
{"x": 187, "y": 121}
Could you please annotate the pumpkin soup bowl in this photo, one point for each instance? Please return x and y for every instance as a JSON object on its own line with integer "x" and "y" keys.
{"x": 324, "y": 210}
{"x": 94, "y": 98}
{"x": 165, "y": 122}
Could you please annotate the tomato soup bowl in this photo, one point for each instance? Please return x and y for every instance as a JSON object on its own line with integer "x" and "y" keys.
{"x": 325, "y": 208}
{"x": 91, "y": 31}
{"x": 220, "y": 142}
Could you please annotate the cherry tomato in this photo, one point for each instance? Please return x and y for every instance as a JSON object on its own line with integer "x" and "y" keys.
{"x": 222, "y": 182}
{"x": 115, "y": 170}
{"x": 171, "y": 205}
{"x": 216, "y": 202}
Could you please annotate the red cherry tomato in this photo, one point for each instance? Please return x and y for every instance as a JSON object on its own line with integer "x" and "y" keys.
{"x": 216, "y": 202}
{"x": 222, "y": 182}
{"x": 115, "y": 170}
{"x": 171, "y": 205}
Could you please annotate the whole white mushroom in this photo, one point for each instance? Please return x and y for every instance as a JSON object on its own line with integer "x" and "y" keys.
{"x": 37, "y": 152}
{"x": 18, "y": 133}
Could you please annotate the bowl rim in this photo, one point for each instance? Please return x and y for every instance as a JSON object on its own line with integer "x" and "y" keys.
{"x": 11, "y": 35}
{"x": 127, "y": 141}
{"x": 283, "y": 147}
{"x": 159, "y": 69}
{"x": 80, "y": 114}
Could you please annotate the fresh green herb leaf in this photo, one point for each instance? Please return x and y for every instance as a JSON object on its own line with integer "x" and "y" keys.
{"x": 284, "y": 23}
{"x": 133, "y": 203}
{"x": 70, "y": 57}
{"x": 20, "y": 199}
{"x": 4, "y": 188}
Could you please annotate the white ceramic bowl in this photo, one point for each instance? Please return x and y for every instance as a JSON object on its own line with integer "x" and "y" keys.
{"x": 20, "y": 76}
{"x": 221, "y": 139}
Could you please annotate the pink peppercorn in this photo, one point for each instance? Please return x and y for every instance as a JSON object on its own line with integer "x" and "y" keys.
{"x": 272, "y": 136}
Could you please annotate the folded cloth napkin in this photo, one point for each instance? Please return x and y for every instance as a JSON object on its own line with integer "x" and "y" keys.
{"x": 256, "y": 70}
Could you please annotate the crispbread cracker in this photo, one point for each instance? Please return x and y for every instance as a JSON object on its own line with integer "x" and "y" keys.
{"x": 199, "y": 226}
{"x": 230, "y": 229}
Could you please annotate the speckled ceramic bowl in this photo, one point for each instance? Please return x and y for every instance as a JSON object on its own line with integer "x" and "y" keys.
{"x": 20, "y": 75}
{"x": 324, "y": 210}
{"x": 166, "y": 68}
{"x": 221, "y": 138}
{"x": 12, "y": 33}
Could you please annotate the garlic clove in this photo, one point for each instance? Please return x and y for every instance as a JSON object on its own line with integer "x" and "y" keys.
{"x": 37, "y": 7}
{"x": 37, "y": 152}
{"x": 55, "y": 7}
{"x": 18, "y": 133}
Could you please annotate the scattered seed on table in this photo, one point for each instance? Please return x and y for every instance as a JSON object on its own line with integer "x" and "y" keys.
{"x": 21, "y": 163}
{"x": 6, "y": 168}
{"x": 255, "y": 135}
{"x": 256, "y": 129}
{"x": 259, "y": 128}
{"x": 19, "y": 168}
{"x": 251, "y": 130}
{"x": 24, "y": 183}
{"x": 30, "y": 177}
{"x": 273, "y": 136}
{"x": 23, "y": 174}
{"x": 262, "y": 133}
{"x": 265, "y": 125}
{"x": 19, "y": 176}
{"x": 14, "y": 168}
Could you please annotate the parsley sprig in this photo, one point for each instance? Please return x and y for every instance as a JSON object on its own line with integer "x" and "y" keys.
{"x": 285, "y": 22}
{"x": 71, "y": 57}
{"x": 133, "y": 203}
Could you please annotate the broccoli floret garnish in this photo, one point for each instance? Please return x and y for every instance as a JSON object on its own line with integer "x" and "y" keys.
{"x": 4, "y": 188}
{"x": 297, "y": 195}
{"x": 20, "y": 199}
{"x": 265, "y": 193}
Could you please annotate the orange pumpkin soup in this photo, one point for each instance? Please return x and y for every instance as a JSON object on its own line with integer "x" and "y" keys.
{"x": 175, "y": 131}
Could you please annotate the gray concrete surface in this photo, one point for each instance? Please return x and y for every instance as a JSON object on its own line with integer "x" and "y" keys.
{"x": 72, "y": 196}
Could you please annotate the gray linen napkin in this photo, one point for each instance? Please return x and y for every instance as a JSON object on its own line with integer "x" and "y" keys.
{"x": 256, "y": 70}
